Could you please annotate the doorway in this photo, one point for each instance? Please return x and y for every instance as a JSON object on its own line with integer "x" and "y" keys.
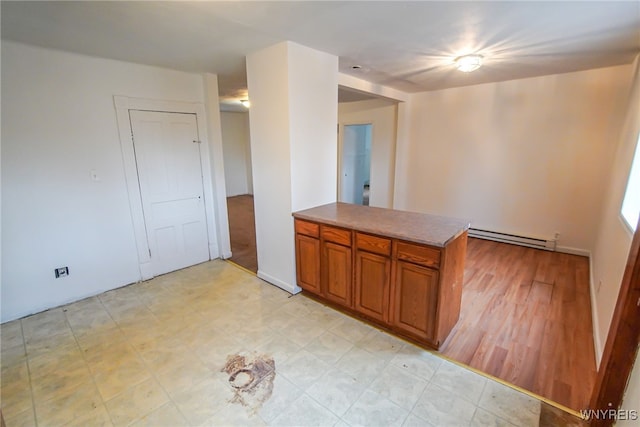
{"x": 242, "y": 231}
{"x": 168, "y": 161}
{"x": 239, "y": 188}
{"x": 354, "y": 180}
{"x": 215, "y": 218}
{"x": 381, "y": 118}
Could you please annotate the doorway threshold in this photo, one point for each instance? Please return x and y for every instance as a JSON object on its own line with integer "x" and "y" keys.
{"x": 235, "y": 264}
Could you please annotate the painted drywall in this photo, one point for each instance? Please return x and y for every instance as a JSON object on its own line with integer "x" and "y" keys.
{"x": 216, "y": 159}
{"x": 613, "y": 241}
{"x": 528, "y": 157}
{"x": 294, "y": 98}
{"x": 313, "y": 113}
{"x": 59, "y": 125}
{"x": 631, "y": 399}
{"x": 267, "y": 80}
{"x": 237, "y": 153}
{"x": 372, "y": 88}
{"x": 382, "y": 114}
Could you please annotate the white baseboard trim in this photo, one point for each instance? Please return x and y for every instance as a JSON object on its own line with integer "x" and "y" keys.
{"x": 146, "y": 271}
{"x": 214, "y": 253}
{"x": 595, "y": 322}
{"x": 292, "y": 289}
{"x": 574, "y": 251}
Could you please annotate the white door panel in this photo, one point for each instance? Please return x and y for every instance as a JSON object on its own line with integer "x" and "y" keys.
{"x": 355, "y": 163}
{"x": 170, "y": 176}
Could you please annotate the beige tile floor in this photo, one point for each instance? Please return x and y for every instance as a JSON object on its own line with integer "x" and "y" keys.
{"x": 151, "y": 354}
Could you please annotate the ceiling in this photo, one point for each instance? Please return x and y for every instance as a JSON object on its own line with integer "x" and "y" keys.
{"x": 409, "y": 46}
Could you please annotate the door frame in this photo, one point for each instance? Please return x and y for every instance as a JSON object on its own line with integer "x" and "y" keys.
{"x": 123, "y": 104}
{"x": 623, "y": 339}
{"x": 341, "y": 126}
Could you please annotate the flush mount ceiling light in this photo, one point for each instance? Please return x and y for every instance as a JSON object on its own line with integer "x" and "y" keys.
{"x": 245, "y": 103}
{"x": 468, "y": 63}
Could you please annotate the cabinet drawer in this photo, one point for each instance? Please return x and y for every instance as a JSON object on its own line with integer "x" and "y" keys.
{"x": 336, "y": 235}
{"x": 374, "y": 244}
{"x": 307, "y": 228}
{"x": 417, "y": 254}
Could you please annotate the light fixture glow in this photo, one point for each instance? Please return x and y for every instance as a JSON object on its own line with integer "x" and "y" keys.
{"x": 469, "y": 63}
{"x": 246, "y": 103}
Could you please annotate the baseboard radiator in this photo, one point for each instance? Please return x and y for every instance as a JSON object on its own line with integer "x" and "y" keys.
{"x": 548, "y": 245}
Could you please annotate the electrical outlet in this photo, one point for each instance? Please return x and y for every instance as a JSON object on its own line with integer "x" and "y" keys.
{"x": 61, "y": 272}
{"x": 556, "y": 236}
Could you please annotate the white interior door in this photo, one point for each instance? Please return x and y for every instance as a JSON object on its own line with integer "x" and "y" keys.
{"x": 167, "y": 152}
{"x": 355, "y": 163}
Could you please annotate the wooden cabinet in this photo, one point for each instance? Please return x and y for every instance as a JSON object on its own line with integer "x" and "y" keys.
{"x": 308, "y": 262}
{"x": 410, "y": 288}
{"x": 335, "y": 264}
{"x": 373, "y": 276}
{"x": 324, "y": 261}
{"x": 415, "y": 296}
{"x": 416, "y": 290}
{"x": 336, "y": 273}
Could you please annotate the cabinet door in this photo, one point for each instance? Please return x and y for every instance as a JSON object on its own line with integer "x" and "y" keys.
{"x": 415, "y": 300}
{"x": 373, "y": 276}
{"x": 336, "y": 273}
{"x": 308, "y": 263}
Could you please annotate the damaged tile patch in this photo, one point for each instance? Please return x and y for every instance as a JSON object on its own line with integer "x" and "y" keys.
{"x": 251, "y": 378}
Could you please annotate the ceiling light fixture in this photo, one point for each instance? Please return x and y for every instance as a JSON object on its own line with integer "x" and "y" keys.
{"x": 245, "y": 103}
{"x": 468, "y": 63}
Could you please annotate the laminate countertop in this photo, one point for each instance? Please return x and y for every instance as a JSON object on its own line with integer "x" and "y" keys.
{"x": 415, "y": 227}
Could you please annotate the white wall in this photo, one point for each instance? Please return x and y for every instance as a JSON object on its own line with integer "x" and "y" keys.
{"x": 294, "y": 98}
{"x": 271, "y": 154}
{"x": 313, "y": 113}
{"x": 382, "y": 114}
{"x": 614, "y": 237}
{"x": 377, "y": 89}
{"x": 216, "y": 159}
{"x": 237, "y": 153}
{"x": 631, "y": 399}
{"x": 58, "y": 124}
{"x": 527, "y": 156}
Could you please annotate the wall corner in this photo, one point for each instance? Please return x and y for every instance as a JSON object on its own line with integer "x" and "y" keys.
{"x": 214, "y": 133}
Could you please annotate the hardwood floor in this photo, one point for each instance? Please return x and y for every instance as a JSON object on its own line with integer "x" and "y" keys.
{"x": 242, "y": 231}
{"x": 526, "y": 319}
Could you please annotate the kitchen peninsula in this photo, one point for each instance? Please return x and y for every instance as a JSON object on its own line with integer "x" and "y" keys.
{"x": 401, "y": 270}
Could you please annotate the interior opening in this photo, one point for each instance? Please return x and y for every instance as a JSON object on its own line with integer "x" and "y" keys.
{"x": 354, "y": 179}
{"x": 367, "y": 128}
{"x": 239, "y": 186}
